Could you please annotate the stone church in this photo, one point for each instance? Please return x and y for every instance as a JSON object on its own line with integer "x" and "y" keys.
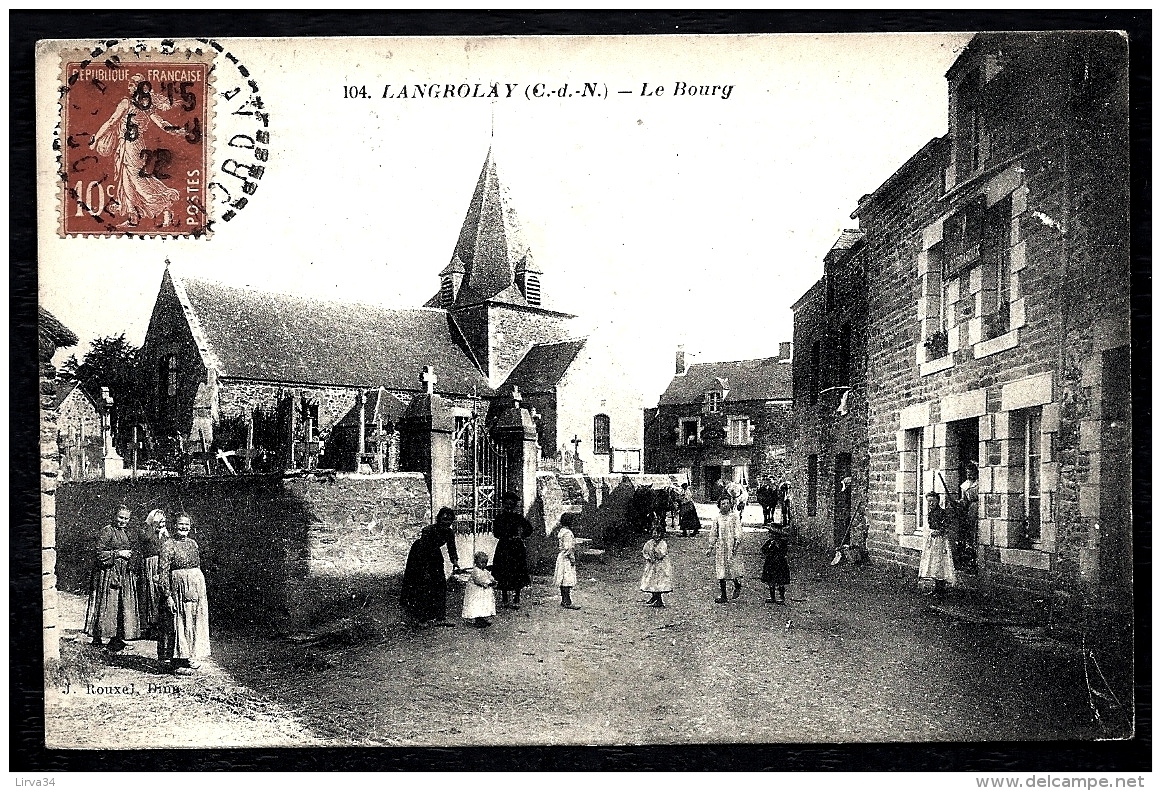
{"x": 255, "y": 380}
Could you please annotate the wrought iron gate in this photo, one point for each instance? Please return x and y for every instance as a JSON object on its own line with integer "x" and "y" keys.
{"x": 479, "y": 477}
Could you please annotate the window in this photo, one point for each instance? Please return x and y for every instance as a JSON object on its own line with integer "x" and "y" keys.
{"x": 844, "y": 356}
{"x": 997, "y": 268}
{"x": 913, "y": 448}
{"x": 171, "y": 375}
{"x": 626, "y": 460}
{"x": 1032, "y": 476}
{"x": 714, "y": 401}
{"x": 815, "y": 382}
{"x": 739, "y": 431}
{"x": 447, "y": 291}
{"x": 690, "y": 432}
{"x": 969, "y": 138}
{"x": 812, "y": 484}
{"x": 601, "y": 435}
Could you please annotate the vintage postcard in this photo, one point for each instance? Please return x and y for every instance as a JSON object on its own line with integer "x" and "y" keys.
{"x": 668, "y": 390}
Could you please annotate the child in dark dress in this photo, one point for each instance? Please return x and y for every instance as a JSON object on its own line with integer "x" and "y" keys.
{"x": 776, "y": 571}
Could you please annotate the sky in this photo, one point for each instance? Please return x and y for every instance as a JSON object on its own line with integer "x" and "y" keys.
{"x": 658, "y": 219}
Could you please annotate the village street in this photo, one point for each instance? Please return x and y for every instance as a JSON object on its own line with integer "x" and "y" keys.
{"x": 856, "y": 655}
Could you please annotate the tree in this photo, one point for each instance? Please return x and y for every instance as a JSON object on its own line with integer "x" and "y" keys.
{"x": 110, "y": 362}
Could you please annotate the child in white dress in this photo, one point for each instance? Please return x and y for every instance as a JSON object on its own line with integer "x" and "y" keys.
{"x": 565, "y": 575}
{"x": 658, "y": 576}
{"x": 479, "y": 594}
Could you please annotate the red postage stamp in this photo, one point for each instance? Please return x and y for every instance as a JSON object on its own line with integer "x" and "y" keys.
{"x": 135, "y": 144}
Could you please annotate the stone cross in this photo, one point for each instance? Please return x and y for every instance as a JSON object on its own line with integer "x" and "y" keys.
{"x": 107, "y": 421}
{"x": 575, "y": 441}
{"x": 429, "y": 379}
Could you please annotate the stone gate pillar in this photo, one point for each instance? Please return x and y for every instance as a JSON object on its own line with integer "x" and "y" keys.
{"x": 425, "y": 442}
{"x": 514, "y": 428}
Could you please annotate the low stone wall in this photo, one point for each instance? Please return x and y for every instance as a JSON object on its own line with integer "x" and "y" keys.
{"x": 276, "y": 552}
{"x": 600, "y": 500}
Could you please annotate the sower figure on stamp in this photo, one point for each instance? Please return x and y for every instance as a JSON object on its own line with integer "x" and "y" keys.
{"x": 136, "y": 193}
{"x": 510, "y": 562}
{"x": 113, "y": 611}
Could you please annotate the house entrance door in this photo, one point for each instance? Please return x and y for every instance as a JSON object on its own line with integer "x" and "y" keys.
{"x": 712, "y": 478}
{"x": 965, "y": 436}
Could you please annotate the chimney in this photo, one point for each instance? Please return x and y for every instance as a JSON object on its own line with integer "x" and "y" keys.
{"x": 784, "y": 349}
{"x": 680, "y": 360}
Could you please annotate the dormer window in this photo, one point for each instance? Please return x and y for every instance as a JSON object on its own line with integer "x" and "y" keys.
{"x": 970, "y": 138}
{"x": 713, "y": 401}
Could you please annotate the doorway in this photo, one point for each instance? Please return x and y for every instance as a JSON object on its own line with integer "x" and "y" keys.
{"x": 843, "y": 484}
{"x": 713, "y": 476}
{"x": 965, "y": 438}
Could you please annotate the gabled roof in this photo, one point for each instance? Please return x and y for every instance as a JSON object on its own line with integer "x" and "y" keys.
{"x": 765, "y": 379}
{"x": 252, "y": 334}
{"x": 544, "y": 366}
{"x": 491, "y": 244}
{"x": 66, "y": 389}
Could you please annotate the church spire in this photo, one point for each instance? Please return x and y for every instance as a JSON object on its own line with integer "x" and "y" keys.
{"x": 491, "y": 260}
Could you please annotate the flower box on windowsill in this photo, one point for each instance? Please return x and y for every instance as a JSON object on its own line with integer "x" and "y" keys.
{"x": 936, "y": 345}
{"x": 997, "y": 323}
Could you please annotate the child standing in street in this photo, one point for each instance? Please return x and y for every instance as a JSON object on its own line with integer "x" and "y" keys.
{"x": 776, "y": 571}
{"x": 658, "y": 576}
{"x": 565, "y": 576}
{"x": 479, "y": 595}
{"x": 726, "y": 545}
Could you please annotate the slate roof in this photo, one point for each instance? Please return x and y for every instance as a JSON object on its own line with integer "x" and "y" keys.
{"x": 491, "y": 246}
{"x": 764, "y": 379}
{"x": 544, "y": 366}
{"x": 252, "y": 334}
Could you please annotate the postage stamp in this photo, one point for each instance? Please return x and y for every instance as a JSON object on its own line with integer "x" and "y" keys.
{"x": 136, "y": 143}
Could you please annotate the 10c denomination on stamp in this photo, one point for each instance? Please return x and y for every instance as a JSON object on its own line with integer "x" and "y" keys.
{"x": 136, "y": 143}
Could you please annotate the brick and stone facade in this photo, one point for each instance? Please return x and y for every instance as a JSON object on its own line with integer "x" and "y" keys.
{"x": 723, "y": 421}
{"x": 831, "y": 460}
{"x": 998, "y": 312}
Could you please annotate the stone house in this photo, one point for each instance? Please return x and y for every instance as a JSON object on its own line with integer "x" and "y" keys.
{"x": 723, "y": 421}
{"x": 997, "y": 267}
{"x": 290, "y": 382}
{"x": 79, "y": 432}
{"x": 831, "y": 459}
{"x": 51, "y": 336}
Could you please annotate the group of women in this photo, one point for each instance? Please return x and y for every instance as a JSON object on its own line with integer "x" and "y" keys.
{"x": 424, "y": 592}
{"x": 147, "y": 583}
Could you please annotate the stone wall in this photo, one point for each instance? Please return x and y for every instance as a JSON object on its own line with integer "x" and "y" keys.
{"x": 600, "y": 500}
{"x": 276, "y": 552}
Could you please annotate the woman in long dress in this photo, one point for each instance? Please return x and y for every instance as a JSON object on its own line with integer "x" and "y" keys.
{"x": 136, "y": 195}
{"x": 726, "y": 545}
{"x": 687, "y": 512}
{"x": 658, "y": 576}
{"x": 936, "y": 564}
{"x": 113, "y": 610}
{"x": 424, "y": 592}
{"x": 156, "y": 619}
{"x": 510, "y": 561}
{"x": 184, "y": 586}
{"x": 564, "y": 576}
